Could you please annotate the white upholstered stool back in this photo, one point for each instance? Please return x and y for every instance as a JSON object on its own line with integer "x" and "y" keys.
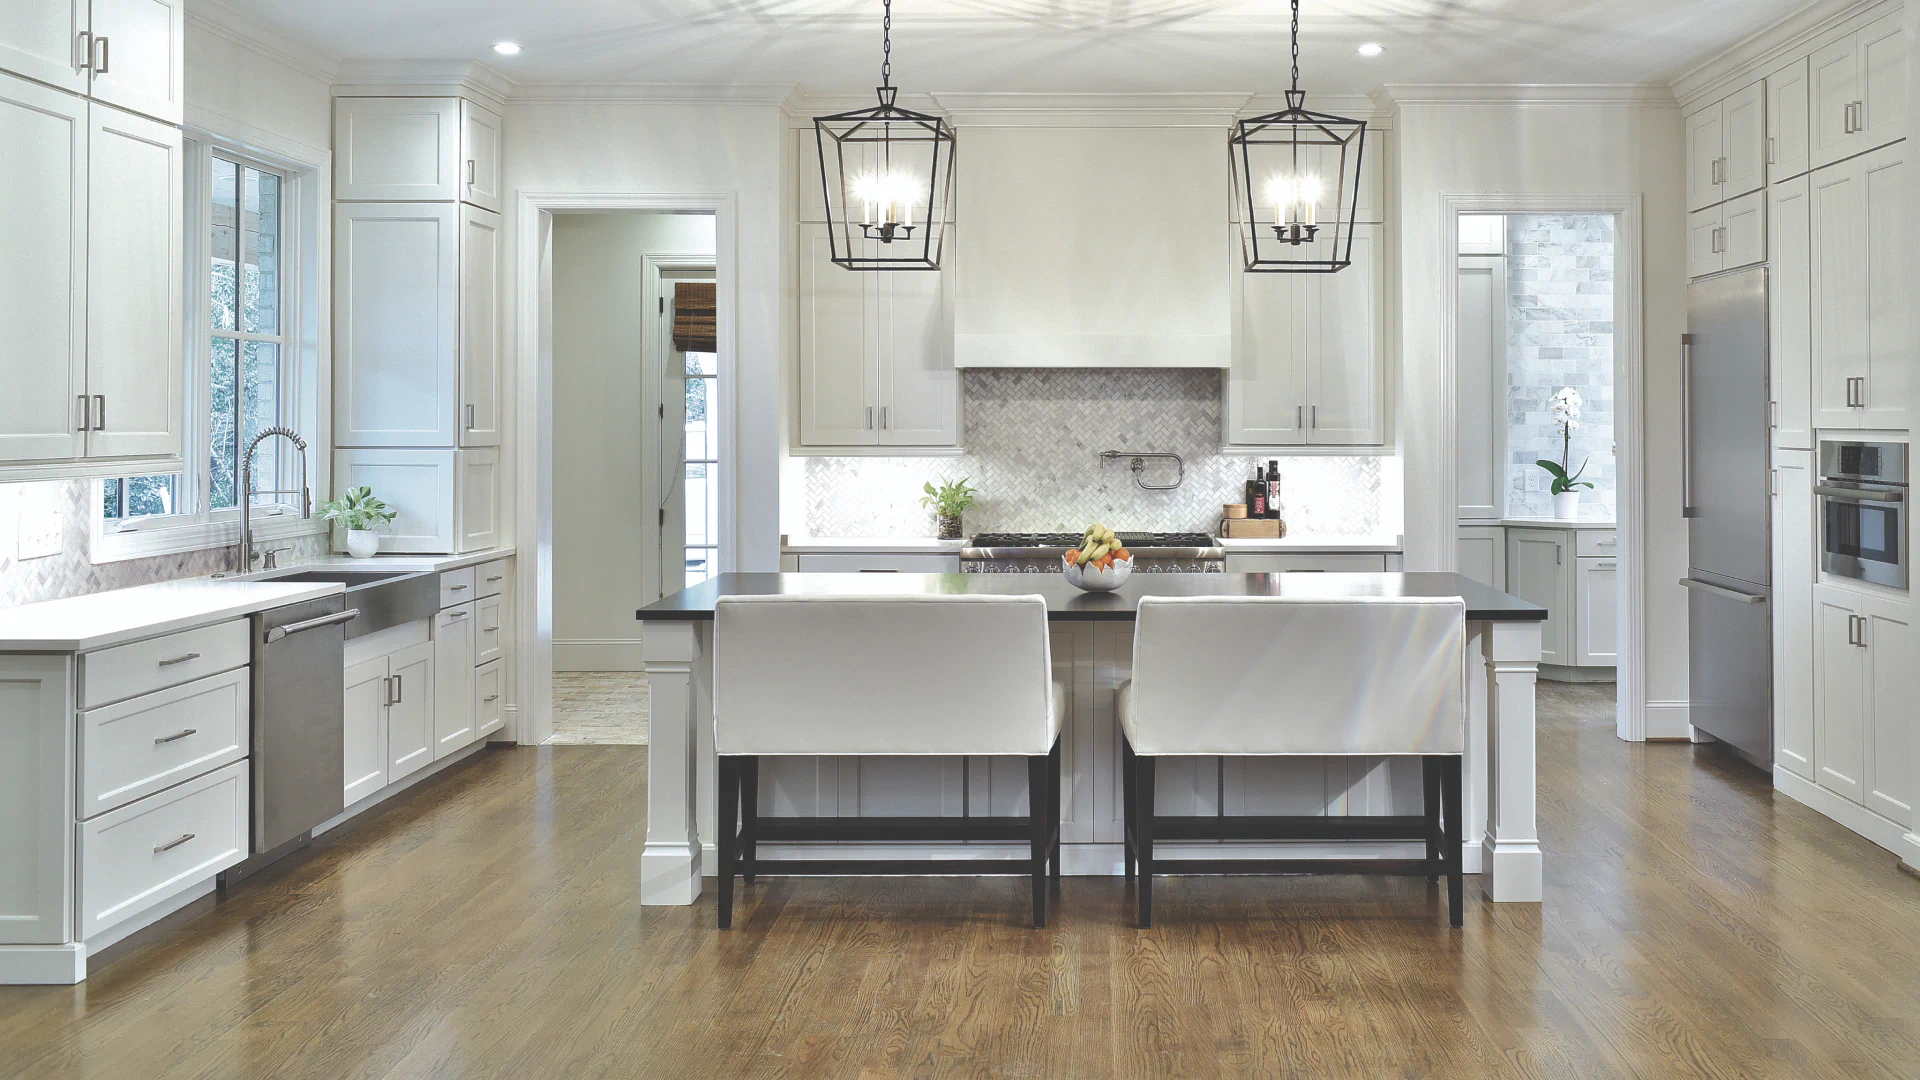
{"x": 933, "y": 674}
{"x": 1285, "y": 675}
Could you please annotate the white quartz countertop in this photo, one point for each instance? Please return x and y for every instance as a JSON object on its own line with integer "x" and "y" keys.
{"x": 1552, "y": 523}
{"x": 1362, "y": 544}
{"x": 802, "y": 545}
{"x": 99, "y": 620}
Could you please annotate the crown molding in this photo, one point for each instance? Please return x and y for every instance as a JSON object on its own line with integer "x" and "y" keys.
{"x": 249, "y": 33}
{"x": 1092, "y": 110}
{"x": 404, "y": 78}
{"x": 1521, "y": 95}
{"x": 1755, "y": 55}
{"x": 623, "y": 93}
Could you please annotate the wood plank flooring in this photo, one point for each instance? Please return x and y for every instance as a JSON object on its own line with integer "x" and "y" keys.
{"x": 486, "y": 926}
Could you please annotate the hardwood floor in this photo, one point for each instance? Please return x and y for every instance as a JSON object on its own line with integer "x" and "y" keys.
{"x": 1695, "y": 926}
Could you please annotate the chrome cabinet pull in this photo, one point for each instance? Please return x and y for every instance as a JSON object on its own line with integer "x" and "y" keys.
{"x": 86, "y": 414}
{"x": 469, "y": 172}
{"x": 455, "y": 588}
{"x": 1314, "y": 415}
{"x": 1853, "y": 637}
{"x": 180, "y": 659}
{"x": 386, "y": 685}
{"x": 100, "y": 400}
{"x": 886, "y": 417}
{"x": 175, "y": 737}
{"x": 498, "y": 577}
{"x": 1719, "y": 241}
{"x": 469, "y": 418}
{"x": 456, "y": 614}
{"x": 1299, "y": 417}
{"x": 399, "y": 689}
{"x": 105, "y": 56}
{"x": 491, "y": 697}
{"x": 869, "y": 418}
{"x": 184, "y": 837}
{"x": 86, "y": 51}
{"x": 1770, "y": 150}
{"x": 490, "y": 629}
{"x": 1604, "y": 565}
{"x": 1863, "y": 630}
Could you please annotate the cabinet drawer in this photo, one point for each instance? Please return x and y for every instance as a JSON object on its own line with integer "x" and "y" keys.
{"x": 154, "y": 741}
{"x": 490, "y": 578}
{"x": 875, "y": 562}
{"x": 1278, "y": 564}
{"x": 489, "y": 699}
{"x": 145, "y": 666}
{"x": 142, "y": 853}
{"x": 456, "y": 587}
{"x": 1596, "y": 542}
{"x": 489, "y": 629}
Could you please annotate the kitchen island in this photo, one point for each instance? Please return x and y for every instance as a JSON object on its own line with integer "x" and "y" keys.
{"x": 1092, "y": 646}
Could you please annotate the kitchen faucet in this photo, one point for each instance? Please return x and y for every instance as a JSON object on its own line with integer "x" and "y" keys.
{"x": 243, "y": 557}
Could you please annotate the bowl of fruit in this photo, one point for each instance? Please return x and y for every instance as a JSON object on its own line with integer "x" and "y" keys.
{"x": 1099, "y": 564}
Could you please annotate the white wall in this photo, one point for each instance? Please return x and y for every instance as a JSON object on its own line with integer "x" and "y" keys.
{"x": 1613, "y": 148}
{"x": 247, "y": 95}
{"x": 604, "y": 527}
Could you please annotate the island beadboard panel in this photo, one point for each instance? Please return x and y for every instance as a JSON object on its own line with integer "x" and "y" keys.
{"x": 1033, "y": 440}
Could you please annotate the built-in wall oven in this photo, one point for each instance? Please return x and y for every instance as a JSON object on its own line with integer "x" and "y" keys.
{"x": 1863, "y": 511}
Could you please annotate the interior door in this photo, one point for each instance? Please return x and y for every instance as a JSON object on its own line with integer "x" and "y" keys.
{"x": 1706, "y": 141}
{"x": 839, "y": 348}
{"x": 1839, "y": 675}
{"x": 135, "y": 313}
{"x": 41, "y": 40}
{"x": 479, "y": 327}
{"x": 138, "y": 57}
{"x": 919, "y": 388}
{"x": 43, "y": 279}
{"x": 1482, "y": 395}
{"x": 1790, "y": 313}
{"x": 1347, "y": 404}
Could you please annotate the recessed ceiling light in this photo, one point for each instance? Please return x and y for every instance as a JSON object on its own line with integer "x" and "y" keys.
{"x": 506, "y": 48}
{"x": 1371, "y": 48}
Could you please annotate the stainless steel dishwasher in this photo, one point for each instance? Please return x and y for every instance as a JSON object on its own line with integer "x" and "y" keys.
{"x": 298, "y": 724}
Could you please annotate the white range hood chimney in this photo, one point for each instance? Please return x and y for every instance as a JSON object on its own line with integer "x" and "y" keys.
{"x": 1092, "y": 246}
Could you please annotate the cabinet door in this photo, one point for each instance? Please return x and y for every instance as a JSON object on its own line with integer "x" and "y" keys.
{"x": 1787, "y": 121}
{"x": 1265, "y": 400}
{"x": 1884, "y": 255}
{"x": 1743, "y": 230}
{"x": 477, "y": 502}
{"x": 1347, "y": 405}
{"x": 1839, "y": 322}
{"x": 397, "y": 149}
{"x": 452, "y": 680}
{"x": 410, "y": 712}
{"x": 1539, "y": 571}
{"x": 1483, "y": 555}
{"x": 1881, "y": 117}
{"x": 1834, "y": 79}
{"x": 1894, "y": 689}
{"x": 1481, "y": 346}
{"x": 489, "y": 699}
{"x": 1790, "y": 313}
{"x": 1745, "y": 167}
{"x": 1793, "y": 611}
{"x": 41, "y": 40}
{"x": 43, "y": 279}
{"x": 1706, "y": 145}
{"x": 36, "y": 799}
{"x": 919, "y": 388}
{"x": 1705, "y": 253}
{"x": 1839, "y": 677}
{"x": 420, "y": 485}
{"x": 139, "y": 56}
{"x": 479, "y": 327}
{"x": 396, "y": 337}
{"x": 839, "y": 349}
{"x": 480, "y": 156}
{"x": 135, "y": 277}
{"x": 365, "y": 730}
{"x": 1597, "y": 609}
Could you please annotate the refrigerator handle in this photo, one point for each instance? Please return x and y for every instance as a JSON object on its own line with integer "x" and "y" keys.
{"x": 1725, "y": 593}
{"x": 1686, "y": 425}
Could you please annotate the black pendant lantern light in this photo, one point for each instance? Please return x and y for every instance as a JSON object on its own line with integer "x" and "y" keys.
{"x": 1296, "y": 183}
{"x": 887, "y": 173}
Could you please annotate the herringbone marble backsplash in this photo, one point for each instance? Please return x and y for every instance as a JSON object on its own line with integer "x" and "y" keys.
{"x": 1033, "y": 439}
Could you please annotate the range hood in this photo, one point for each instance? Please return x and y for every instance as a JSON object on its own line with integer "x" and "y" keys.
{"x": 1092, "y": 247}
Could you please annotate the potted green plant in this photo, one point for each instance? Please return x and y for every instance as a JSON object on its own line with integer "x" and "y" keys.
{"x": 948, "y": 501}
{"x": 361, "y": 512}
{"x": 1565, "y": 407}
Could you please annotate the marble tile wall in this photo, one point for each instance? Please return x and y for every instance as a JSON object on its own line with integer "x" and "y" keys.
{"x": 1559, "y": 333}
{"x": 1033, "y": 439}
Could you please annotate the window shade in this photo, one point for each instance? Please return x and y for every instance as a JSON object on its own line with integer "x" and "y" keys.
{"x": 693, "y": 318}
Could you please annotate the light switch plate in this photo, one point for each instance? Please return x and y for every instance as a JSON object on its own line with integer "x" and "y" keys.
{"x": 39, "y": 535}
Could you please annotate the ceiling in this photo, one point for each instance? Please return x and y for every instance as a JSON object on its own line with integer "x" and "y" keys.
{"x": 1115, "y": 46}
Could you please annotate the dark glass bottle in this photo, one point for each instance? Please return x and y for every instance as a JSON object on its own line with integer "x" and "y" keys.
{"x": 1257, "y": 495}
{"x": 1273, "y": 488}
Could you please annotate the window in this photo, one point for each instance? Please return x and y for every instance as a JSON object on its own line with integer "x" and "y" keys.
{"x": 240, "y": 361}
{"x": 703, "y": 461}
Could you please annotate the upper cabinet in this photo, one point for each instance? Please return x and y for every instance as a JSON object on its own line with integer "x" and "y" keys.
{"x": 396, "y": 296}
{"x": 1727, "y": 147}
{"x": 424, "y": 149}
{"x": 47, "y": 41}
{"x": 1861, "y": 290}
{"x": 1859, "y": 91}
{"x": 479, "y": 327}
{"x": 480, "y": 156}
{"x": 127, "y": 53}
{"x": 1790, "y": 313}
{"x": 1309, "y": 364}
{"x": 1727, "y": 236}
{"x": 1788, "y": 120}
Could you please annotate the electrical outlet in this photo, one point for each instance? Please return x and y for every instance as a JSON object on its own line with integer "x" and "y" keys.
{"x": 1533, "y": 480}
{"x": 39, "y": 535}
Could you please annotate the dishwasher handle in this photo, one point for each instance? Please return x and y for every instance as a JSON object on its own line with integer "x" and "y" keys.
{"x": 277, "y": 632}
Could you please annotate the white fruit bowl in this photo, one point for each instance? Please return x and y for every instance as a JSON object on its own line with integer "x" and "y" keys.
{"x": 1095, "y": 578}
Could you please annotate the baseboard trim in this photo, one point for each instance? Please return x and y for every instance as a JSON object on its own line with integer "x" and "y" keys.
{"x": 1886, "y": 833}
{"x": 1669, "y": 720}
{"x": 1562, "y": 673}
{"x": 1103, "y": 860}
{"x": 43, "y": 965}
{"x": 598, "y": 654}
{"x": 426, "y": 772}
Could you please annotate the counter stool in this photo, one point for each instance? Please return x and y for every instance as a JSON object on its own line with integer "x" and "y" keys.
{"x": 1270, "y": 675}
{"x": 884, "y": 675}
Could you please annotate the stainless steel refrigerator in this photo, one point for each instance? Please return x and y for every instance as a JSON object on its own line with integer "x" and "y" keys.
{"x": 1724, "y": 476}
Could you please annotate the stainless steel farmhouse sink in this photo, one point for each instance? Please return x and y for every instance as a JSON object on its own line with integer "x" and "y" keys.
{"x": 385, "y": 597}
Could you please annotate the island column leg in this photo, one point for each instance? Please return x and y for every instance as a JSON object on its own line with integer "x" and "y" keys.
{"x": 670, "y": 862}
{"x": 1512, "y": 863}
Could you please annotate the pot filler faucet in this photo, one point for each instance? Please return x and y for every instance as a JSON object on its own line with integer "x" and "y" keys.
{"x": 243, "y": 556}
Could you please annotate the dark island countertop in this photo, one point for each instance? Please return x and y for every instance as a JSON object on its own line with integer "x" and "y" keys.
{"x": 1068, "y": 604}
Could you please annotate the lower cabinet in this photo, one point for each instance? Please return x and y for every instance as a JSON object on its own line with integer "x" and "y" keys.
{"x": 410, "y": 712}
{"x": 1483, "y": 554}
{"x": 131, "y": 858}
{"x": 1307, "y": 562}
{"x": 364, "y": 734}
{"x": 1574, "y": 575}
{"x": 1540, "y": 571}
{"x": 1596, "y": 611}
{"x": 875, "y": 562}
{"x": 1794, "y": 569}
{"x": 489, "y": 698}
{"x": 1863, "y": 691}
{"x": 453, "y": 697}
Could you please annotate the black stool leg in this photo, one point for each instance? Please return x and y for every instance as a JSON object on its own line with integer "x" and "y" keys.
{"x": 1038, "y": 819}
{"x": 749, "y": 815}
{"x": 728, "y": 840}
{"x": 1053, "y": 804}
{"x": 1430, "y": 788}
{"x": 1143, "y": 822}
{"x": 1450, "y": 798}
{"x": 1126, "y": 805}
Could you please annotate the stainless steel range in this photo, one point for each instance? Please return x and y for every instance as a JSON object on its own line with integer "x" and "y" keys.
{"x": 1039, "y": 553}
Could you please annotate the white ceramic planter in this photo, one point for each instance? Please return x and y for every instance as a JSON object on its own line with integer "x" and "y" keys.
{"x": 362, "y": 543}
{"x": 1566, "y": 505}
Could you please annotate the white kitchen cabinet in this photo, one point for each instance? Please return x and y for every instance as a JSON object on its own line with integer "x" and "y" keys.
{"x": 1794, "y": 567}
{"x": 489, "y": 698}
{"x": 874, "y": 562}
{"x": 139, "y": 51}
{"x": 479, "y": 415}
{"x": 1862, "y": 370}
{"x": 453, "y": 712}
{"x": 1481, "y": 390}
{"x": 397, "y": 149}
{"x": 136, "y": 375}
{"x": 1309, "y": 366}
{"x": 1863, "y": 689}
{"x": 1596, "y": 606}
{"x": 1840, "y": 693}
{"x": 448, "y": 500}
{"x": 1790, "y": 313}
{"x": 131, "y": 858}
{"x": 1892, "y": 690}
{"x": 480, "y": 155}
{"x": 396, "y": 295}
{"x": 1483, "y": 555}
{"x": 364, "y": 734}
{"x": 43, "y": 279}
{"x": 1727, "y": 236}
{"x": 875, "y": 354}
{"x": 1788, "y": 122}
{"x": 1540, "y": 571}
{"x": 41, "y": 40}
{"x": 410, "y": 710}
{"x": 1305, "y": 562}
{"x": 1858, "y": 90}
{"x": 1727, "y": 147}
{"x": 36, "y": 799}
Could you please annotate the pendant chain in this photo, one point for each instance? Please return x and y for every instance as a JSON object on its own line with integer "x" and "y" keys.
{"x": 886, "y": 44}
{"x": 1296, "y": 42}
